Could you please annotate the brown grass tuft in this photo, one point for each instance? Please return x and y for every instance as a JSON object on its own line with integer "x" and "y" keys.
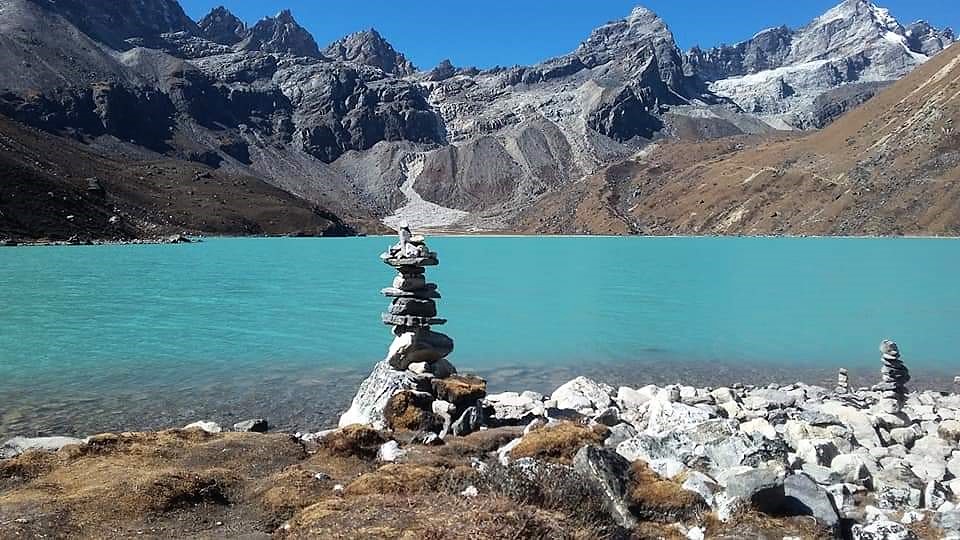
{"x": 656, "y": 499}
{"x": 354, "y": 441}
{"x": 410, "y": 411}
{"x": 560, "y": 442}
{"x": 461, "y": 390}
{"x": 397, "y": 479}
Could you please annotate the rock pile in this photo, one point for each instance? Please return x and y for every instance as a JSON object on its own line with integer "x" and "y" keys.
{"x": 415, "y": 387}
{"x": 843, "y": 382}
{"x": 895, "y": 376}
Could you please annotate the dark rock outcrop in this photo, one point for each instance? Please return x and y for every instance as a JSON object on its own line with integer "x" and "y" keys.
{"x": 113, "y": 22}
{"x": 222, "y": 26}
{"x": 280, "y": 34}
{"x": 369, "y": 48}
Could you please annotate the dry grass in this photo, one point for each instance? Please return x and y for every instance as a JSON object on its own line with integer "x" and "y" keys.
{"x": 429, "y": 517}
{"x": 410, "y": 411}
{"x": 656, "y": 499}
{"x": 461, "y": 390}
{"x": 751, "y": 524}
{"x": 354, "y": 441}
{"x": 553, "y": 487}
{"x": 560, "y": 442}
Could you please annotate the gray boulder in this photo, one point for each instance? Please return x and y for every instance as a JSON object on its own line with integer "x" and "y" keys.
{"x": 469, "y": 421}
{"x": 802, "y": 496}
{"x": 609, "y": 472}
{"x": 375, "y": 391}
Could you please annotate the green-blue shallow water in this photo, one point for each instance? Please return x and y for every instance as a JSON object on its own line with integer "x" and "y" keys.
{"x": 132, "y": 336}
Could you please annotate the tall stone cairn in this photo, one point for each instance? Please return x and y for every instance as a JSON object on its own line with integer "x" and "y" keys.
{"x": 415, "y": 388}
{"x": 895, "y": 376}
{"x": 413, "y": 311}
{"x": 843, "y": 382}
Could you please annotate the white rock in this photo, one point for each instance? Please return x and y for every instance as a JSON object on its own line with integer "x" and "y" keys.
{"x": 853, "y": 468}
{"x": 882, "y": 529}
{"x": 929, "y": 468}
{"x": 932, "y": 445}
{"x": 817, "y": 451}
{"x": 503, "y": 453}
{"x": 205, "y": 425}
{"x": 443, "y": 408}
{"x": 389, "y": 451}
{"x": 912, "y": 516}
{"x": 857, "y": 420}
{"x": 514, "y": 406}
{"x": 759, "y": 426}
{"x": 723, "y": 395}
{"x": 695, "y": 533}
{"x": 667, "y": 468}
{"x": 375, "y": 391}
{"x": 18, "y": 445}
{"x": 470, "y": 491}
{"x": 702, "y": 485}
{"x": 731, "y": 408}
{"x": 664, "y": 416}
{"x": 582, "y": 393}
{"x": 628, "y": 398}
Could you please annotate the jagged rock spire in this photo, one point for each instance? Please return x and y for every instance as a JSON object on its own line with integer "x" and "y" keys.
{"x": 222, "y": 26}
{"x": 281, "y": 34}
{"x": 370, "y": 48}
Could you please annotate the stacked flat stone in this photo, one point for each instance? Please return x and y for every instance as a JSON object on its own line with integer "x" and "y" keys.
{"x": 413, "y": 311}
{"x": 895, "y": 376}
{"x": 843, "y": 382}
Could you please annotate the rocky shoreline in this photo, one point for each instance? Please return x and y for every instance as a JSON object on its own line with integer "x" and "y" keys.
{"x": 78, "y": 241}
{"x": 779, "y": 451}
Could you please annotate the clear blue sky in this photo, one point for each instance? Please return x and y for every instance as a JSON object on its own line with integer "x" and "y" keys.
{"x": 485, "y": 33}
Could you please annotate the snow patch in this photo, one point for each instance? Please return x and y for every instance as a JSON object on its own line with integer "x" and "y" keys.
{"x": 768, "y": 75}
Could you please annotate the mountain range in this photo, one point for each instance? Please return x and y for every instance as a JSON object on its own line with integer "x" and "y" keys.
{"x": 302, "y": 138}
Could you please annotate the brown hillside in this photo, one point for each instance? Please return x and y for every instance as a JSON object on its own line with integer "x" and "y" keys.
{"x": 44, "y": 194}
{"x": 890, "y": 167}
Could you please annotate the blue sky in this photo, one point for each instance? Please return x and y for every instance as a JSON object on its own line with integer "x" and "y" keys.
{"x": 485, "y": 33}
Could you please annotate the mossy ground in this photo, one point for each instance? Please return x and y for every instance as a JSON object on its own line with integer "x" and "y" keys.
{"x": 178, "y": 483}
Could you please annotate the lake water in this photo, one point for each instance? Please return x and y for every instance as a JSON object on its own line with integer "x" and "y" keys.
{"x": 145, "y": 336}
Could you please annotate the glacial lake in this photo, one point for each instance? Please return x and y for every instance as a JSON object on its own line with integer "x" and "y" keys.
{"x": 145, "y": 336}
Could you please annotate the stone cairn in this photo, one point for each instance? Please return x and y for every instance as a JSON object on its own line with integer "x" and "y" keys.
{"x": 843, "y": 382}
{"x": 895, "y": 377}
{"x": 415, "y": 388}
{"x": 413, "y": 310}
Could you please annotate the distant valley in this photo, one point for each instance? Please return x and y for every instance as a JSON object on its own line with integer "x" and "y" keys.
{"x": 129, "y": 119}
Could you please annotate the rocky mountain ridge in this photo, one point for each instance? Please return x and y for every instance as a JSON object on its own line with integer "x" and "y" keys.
{"x": 888, "y": 167}
{"x": 779, "y": 73}
{"x": 356, "y": 128}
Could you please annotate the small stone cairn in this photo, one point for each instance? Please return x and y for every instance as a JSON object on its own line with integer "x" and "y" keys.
{"x": 895, "y": 376}
{"x": 843, "y": 382}
{"x": 415, "y": 388}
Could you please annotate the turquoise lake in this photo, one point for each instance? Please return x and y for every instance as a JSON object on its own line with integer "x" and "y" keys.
{"x": 143, "y": 336}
